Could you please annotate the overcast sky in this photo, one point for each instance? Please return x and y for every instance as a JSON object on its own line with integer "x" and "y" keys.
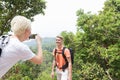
{"x": 60, "y": 15}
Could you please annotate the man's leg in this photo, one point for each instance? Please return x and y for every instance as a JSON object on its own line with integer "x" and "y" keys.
{"x": 64, "y": 75}
{"x": 58, "y": 73}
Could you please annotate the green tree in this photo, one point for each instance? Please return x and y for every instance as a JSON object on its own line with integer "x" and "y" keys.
{"x": 68, "y": 39}
{"x": 10, "y": 8}
{"x": 98, "y": 44}
{"x": 29, "y": 71}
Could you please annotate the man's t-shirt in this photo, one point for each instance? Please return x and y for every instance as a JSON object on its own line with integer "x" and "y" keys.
{"x": 13, "y": 52}
{"x": 60, "y": 61}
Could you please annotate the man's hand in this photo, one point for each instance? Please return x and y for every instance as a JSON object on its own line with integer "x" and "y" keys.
{"x": 52, "y": 75}
{"x": 69, "y": 78}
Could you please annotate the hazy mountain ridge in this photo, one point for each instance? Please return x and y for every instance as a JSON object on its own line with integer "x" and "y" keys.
{"x": 48, "y": 43}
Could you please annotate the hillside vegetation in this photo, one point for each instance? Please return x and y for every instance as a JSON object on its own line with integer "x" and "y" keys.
{"x": 96, "y": 46}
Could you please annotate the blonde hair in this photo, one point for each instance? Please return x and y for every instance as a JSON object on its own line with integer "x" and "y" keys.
{"x": 19, "y": 24}
{"x": 59, "y": 37}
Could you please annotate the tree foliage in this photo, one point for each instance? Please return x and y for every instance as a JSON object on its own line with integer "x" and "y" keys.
{"x": 29, "y": 71}
{"x": 98, "y": 45}
{"x": 10, "y": 8}
{"x": 68, "y": 39}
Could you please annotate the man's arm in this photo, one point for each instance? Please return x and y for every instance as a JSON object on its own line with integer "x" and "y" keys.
{"x": 69, "y": 68}
{"x": 68, "y": 56}
{"x": 39, "y": 57}
{"x": 53, "y": 65}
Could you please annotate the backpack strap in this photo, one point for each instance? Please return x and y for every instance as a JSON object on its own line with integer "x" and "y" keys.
{"x": 65, "y": 58}
{"x": 55, "y": 51}
{"x": 4, "y": 39}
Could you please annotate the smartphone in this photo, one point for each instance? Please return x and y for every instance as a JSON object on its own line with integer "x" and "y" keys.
{"x": 32, "y": 36}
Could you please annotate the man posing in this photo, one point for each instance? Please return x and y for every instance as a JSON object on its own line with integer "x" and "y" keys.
{"x": 59, "y": 61}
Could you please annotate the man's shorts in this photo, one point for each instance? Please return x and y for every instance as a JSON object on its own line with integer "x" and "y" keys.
{"x": 62, "y": 75}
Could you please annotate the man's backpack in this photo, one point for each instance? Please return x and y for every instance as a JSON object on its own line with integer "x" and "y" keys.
{"x": 71, "y": 53}
{"x": 72, "y": 57}
{"x": 4, "y": 39}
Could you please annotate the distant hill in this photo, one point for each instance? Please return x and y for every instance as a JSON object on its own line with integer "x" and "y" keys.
{"x": 48, "y": 40}
{"x": 48, "y": 43}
